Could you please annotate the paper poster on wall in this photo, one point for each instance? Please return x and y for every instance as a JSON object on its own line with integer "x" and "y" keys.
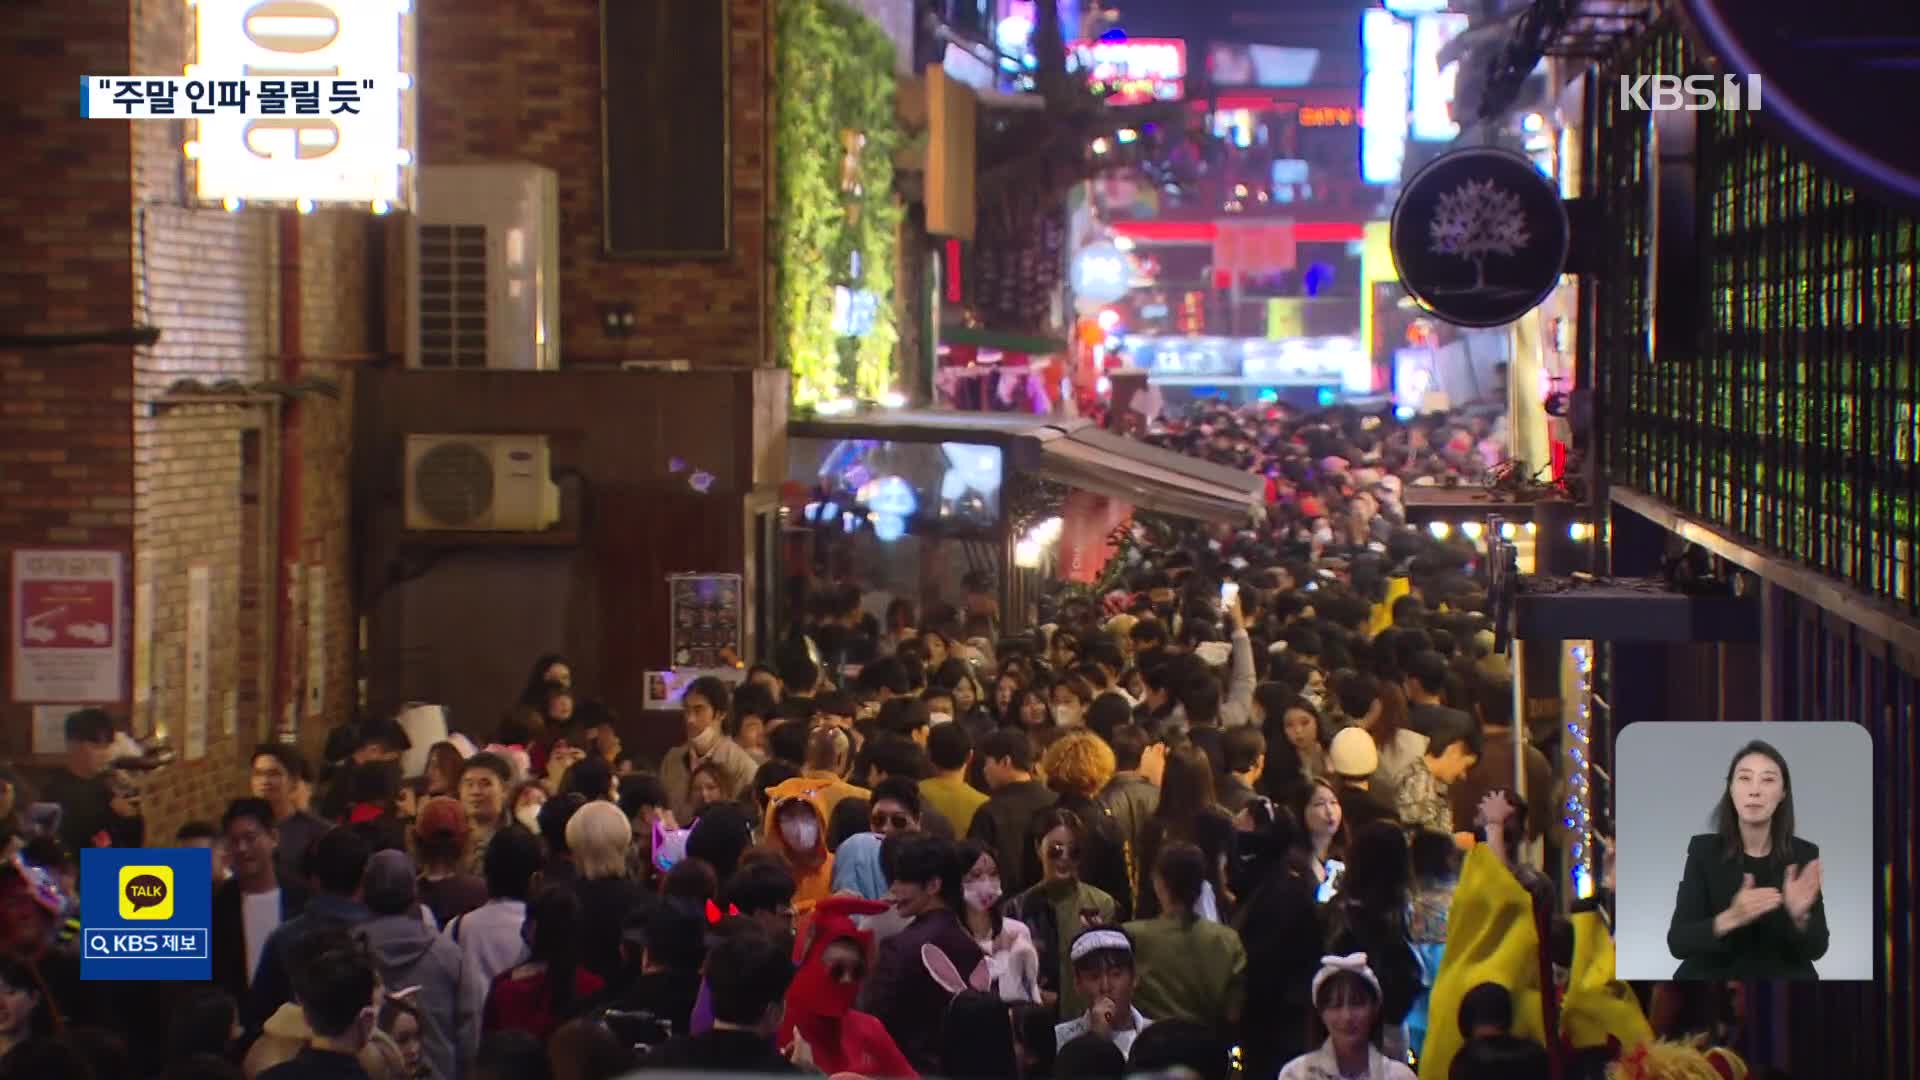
{"x": 663, "y": 688}
{"x": 198, "y": 674}
{"x": 316, "y": 640}
{"x": 50, "y": 728}
{"x": 69, "y": 626}
{"x": 705, "y": 620}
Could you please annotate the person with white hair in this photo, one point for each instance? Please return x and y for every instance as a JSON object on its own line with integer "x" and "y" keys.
{"x": 598, "y": 836}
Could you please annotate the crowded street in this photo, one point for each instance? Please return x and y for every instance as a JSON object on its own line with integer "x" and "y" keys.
{"x": 970, "y": 539}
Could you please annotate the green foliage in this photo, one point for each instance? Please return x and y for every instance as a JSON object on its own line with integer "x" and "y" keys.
{"x": 833, "y": 72}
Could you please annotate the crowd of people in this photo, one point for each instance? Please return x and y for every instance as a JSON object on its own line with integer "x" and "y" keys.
{"x": 1248, "y": 809}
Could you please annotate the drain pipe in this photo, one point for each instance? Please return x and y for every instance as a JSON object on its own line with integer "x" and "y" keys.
{"x": 287, "y": 695}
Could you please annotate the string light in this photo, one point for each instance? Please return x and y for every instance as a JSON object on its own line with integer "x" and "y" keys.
{"x": 1577, "y": 814}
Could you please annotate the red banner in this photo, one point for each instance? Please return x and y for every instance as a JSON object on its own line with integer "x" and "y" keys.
{"x": 1086, "y": 523}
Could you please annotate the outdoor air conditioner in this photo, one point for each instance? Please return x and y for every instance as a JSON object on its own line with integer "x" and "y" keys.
{"x": 480, "y": 483}
{"x": 484, "y": 265}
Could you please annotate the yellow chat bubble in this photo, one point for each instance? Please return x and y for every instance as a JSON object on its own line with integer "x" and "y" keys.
{"x": 146, "y": 892}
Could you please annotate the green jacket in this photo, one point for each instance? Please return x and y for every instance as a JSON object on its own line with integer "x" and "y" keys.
{"x": 1056, "y": 914}
{"x": 1189, "y": 971}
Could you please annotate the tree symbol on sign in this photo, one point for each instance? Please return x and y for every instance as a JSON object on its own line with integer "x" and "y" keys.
{"x": 1475, "y": 220}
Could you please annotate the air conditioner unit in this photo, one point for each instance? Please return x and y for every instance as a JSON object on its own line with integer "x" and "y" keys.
{"x": 480, "y": 483}
{"x": 484, "y": 268}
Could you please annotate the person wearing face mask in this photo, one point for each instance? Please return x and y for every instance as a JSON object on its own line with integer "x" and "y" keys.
{"x": 821, "y": 1028}
{"x": 1012, "y": 961}
{"x": 704, "y": 708}
{"x": 1071, "y": 696}
{"x": 796, "y": 830}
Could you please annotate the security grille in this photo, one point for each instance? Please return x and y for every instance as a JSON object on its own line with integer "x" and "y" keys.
{"x": 1785, "y": 413}
{"x": 1791, "y": 419}
{"x": 453, "y": 296}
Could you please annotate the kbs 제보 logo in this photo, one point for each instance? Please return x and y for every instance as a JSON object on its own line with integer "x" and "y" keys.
{"x": 146, "y": 892}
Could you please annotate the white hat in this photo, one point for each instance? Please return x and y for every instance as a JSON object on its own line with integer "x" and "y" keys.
{"x": 1352, "y": 964}
{"x": 1353, "y": 754}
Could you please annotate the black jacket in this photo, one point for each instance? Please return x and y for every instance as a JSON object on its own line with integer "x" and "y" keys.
{"x": 903, "y": 996}
{"x": 1002, "y": 824}
{"x": 228, "y": 936}
{"x": 1771, "y": 947}
{"x": 1107, "y": 864}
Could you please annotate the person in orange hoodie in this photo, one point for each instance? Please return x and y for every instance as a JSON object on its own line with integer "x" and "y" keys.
{"x": 796, "y": 830}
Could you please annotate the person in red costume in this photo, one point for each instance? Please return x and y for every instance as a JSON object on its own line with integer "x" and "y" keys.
{"x": 822, "y": 1030}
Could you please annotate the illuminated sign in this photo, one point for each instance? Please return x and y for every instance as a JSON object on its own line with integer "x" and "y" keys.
{"x": 1136, "y": 71}
{"x": 1320, "y": 116}
{"x": 1387, "y": 44}
{"x": 1101, "y": 274}
{"x": 1433, "y": 86}
{"x": 365, "y": 159}
{"x": 1272, "y": 66}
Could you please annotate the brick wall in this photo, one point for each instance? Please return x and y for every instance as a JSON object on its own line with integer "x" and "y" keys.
{"x": 210, "y": 280}
{"x": 506, "y": 81}
{"x": 333, "y": 321}
{"x": 65, "y": 430}
{"x": 104, "y": 237}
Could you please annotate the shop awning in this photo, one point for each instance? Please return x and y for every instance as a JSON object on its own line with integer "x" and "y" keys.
{"x": 1148, "y": 477}
{"x": 1072, "y": 452}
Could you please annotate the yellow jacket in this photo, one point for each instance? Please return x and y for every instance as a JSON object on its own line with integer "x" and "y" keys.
{"x": 1382, "y": 615}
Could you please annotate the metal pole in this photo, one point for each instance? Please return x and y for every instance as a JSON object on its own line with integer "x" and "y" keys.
{"x": 1518, "y": 657}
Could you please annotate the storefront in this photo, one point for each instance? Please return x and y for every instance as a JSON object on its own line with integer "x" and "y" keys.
{"x": 917, "y": 504}
{"x": 1775, "y": 441}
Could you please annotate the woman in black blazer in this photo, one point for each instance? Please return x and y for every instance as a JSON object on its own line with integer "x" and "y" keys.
{"x": 1749, "y": 906}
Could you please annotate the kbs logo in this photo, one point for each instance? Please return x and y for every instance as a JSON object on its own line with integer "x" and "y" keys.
{"x": 146, "y": 892}
{"x": 1694, "y": 93}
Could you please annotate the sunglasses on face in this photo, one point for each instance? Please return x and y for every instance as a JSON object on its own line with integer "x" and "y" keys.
{"x": 898, "y": 821}
{"x": 1070, "y": 852}
{"x": 846, "y": 973}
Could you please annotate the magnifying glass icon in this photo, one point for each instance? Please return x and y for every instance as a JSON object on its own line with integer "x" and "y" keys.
{"x": 97, "y": 943}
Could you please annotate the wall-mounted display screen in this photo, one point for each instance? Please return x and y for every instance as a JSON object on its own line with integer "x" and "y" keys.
{"x": 899, "y": 487}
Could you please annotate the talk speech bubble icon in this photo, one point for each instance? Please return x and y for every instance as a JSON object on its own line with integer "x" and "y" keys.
{"x": 146, "y": 892}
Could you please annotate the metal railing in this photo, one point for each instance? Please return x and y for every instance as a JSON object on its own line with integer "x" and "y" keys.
{"x": 1786, "y": 410}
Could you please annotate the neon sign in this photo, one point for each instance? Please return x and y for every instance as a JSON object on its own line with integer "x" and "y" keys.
{"x": 1135, "y": 71}
{"x": 1322, "y": 116}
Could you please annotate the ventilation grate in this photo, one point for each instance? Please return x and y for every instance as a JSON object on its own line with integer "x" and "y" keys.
{"x": 453, "y": 296}
{"x": 453, "y": 483}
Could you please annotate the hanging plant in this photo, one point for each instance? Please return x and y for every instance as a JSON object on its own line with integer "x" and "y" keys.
{"x": 836, "y": 219}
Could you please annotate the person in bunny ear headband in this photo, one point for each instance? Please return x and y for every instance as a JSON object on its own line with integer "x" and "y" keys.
{"x": 1102, "y": 958}
{"x": 1346, "y": 1005}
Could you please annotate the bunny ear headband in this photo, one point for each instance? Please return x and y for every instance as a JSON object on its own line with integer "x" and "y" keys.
{"x": 1352, "y": 964}
{"x": 940, "y": 968}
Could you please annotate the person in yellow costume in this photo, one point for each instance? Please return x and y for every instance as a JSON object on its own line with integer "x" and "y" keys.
{"x": 1492, "y": 936}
